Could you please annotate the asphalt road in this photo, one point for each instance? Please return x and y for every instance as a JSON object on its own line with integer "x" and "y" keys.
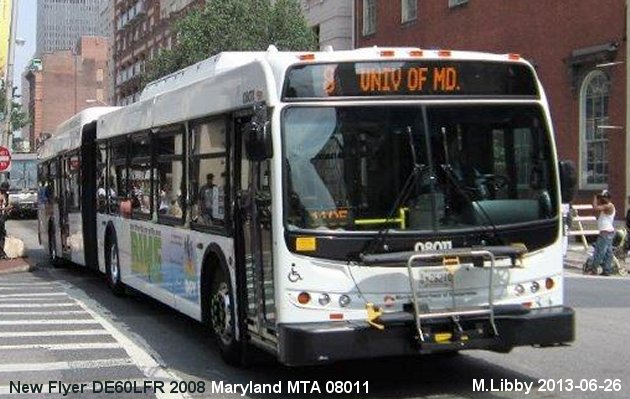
{"x": 136, "y": 339}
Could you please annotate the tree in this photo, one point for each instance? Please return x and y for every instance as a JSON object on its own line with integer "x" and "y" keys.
{"x": 18, "y": 116}
{"x": 233, "y": 25}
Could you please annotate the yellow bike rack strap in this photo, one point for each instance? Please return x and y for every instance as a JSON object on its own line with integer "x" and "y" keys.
{"x": 373, "y": 313}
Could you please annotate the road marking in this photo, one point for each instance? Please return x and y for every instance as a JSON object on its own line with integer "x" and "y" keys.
{"x": 52, "y": 313}
{"x": 43, "y": 322}
{"x": 38, "y": 305}
{"x": 34, "y": 283}
{"x": 71, "y": 365}
{"x": 63, "y": 347}
{"x": 31, "y": 300}
{"x": 51, "y": 333}
{"x": 34, "y": 295}
{"x": 145, "y": 362}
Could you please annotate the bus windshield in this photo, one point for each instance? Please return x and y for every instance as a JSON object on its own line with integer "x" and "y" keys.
{"x": 428, "y": 167}
{"x": 23, "y": 174}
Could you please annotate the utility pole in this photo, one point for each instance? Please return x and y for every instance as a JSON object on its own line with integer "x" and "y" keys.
{"x": 8, "y": 83}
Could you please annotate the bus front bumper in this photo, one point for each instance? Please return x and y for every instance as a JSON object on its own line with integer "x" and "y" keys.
{"x": 313, "y": 343}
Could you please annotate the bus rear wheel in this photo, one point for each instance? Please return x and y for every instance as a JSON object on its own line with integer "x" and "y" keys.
{"x": 112, "y": 267}
{"x": 222, "y": 318}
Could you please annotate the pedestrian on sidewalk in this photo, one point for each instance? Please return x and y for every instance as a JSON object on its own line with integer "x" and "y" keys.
{"x": 4, "y": 211}
{"x": 603, "y": 246}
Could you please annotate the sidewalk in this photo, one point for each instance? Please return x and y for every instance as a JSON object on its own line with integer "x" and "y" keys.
{"x": 17, "y": 262}
{"x": 576, "y": 256}
{"x": 15, "y": 265}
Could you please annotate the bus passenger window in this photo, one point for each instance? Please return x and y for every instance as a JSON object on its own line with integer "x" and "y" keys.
{"x": 118, "y": 175}
{"x": 208, "y": 173}
{"x": 169, "y": 200}
{"x": 140, "y": 176}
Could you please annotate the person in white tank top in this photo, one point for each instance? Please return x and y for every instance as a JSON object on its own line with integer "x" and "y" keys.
{"x": 605, "y": 224}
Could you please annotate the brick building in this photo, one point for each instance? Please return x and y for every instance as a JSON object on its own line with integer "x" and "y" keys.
{"x": 578, "y": 49}
{"x": 142, "y": 28}
{"x": 65, "y": 83}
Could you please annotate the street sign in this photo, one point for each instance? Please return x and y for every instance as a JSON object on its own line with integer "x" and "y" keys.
{"x": 5, "y": 159}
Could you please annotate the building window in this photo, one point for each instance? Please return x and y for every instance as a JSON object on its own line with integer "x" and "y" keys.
{"x": 409, "y": 10}
{"x": 369, "y": 17}
{"x": 594, "y": 97}
{"x": 456, "y": 3}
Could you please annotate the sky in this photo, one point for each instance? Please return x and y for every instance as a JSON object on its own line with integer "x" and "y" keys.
{"x": 27, "y": 22}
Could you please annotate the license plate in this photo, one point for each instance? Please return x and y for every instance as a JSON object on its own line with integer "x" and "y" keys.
{"x": 440, "y": 278}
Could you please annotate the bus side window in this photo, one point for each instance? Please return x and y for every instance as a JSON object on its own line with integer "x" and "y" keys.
{"x": 118, "y": 175}
{"x": 169, "y": 201}
{"x": 208, "y": 172}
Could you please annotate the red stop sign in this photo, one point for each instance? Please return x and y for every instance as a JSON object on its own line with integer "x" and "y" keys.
{"x": 5, "y": 158}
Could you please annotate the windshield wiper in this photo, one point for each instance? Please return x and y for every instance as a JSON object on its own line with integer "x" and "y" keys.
{"x": 452, "y": 182}
{"x": 373, "y": 244}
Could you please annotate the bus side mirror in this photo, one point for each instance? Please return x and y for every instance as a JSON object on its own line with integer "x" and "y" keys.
{"x": 258, "y": 143}
{"x": 568, "y": 180}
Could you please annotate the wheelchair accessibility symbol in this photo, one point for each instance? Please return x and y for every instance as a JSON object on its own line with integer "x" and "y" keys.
{"x": 293, "y": 275}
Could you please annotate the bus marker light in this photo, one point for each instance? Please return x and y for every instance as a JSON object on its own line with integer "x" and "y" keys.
{"x": 549, "y": 283}
{"x": 324, "y": 299}
{"x": 305, "y": 244}
{"x": 344, "y": 301}
{"x": 527, "y": 305}
{"x": 416, "y": 53}
{"x": 304, "y": 298}
{"x": 387, "y": 53}
{"x": 514, "y": 56}
{"x": 444, "y": 53}
{"x": 307, "y": 57}
{"x": 336, "y": 316}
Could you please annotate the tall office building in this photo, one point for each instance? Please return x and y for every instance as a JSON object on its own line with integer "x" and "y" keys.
{"x": 60, "y": 23}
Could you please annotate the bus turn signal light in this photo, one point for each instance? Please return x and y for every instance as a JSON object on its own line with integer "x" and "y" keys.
{"x": 549, "y": 283}
{"x": 304, "y": 298}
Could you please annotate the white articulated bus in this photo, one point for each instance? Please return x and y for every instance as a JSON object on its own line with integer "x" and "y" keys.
{"x": 336, "y": 205}
{"x": 66, "y": 173}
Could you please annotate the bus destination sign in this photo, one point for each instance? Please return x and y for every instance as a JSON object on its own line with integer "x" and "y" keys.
{"x": 411, "y": 78}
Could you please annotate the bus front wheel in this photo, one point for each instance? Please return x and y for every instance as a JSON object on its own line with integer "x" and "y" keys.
{"x": 222, "y": 317}
{"x": 112, "y": 267}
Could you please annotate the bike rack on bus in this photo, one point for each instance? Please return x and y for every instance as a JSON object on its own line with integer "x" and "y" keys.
{"x": 450, "y": 262}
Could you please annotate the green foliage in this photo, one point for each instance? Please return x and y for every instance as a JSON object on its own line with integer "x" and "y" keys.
{"x": 233, "y": 25}
{"x": 18, "y": 116}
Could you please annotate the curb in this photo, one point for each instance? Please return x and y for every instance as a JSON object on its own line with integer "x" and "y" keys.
{"x": 15, "y": 266}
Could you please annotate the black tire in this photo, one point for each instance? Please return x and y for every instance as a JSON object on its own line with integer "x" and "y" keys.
{"x": 112, "y": 267}
{"x": 222, "y": 318}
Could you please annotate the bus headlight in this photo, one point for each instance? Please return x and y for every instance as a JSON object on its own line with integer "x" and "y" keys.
{"x": 519, "y": 290}
{"x": 344, "y": 301}
{"x": 324, "y": 299}
{"x": 535, "y": 287}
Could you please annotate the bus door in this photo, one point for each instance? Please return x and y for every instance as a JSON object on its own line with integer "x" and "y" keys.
{"x": 254, "y": 205}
